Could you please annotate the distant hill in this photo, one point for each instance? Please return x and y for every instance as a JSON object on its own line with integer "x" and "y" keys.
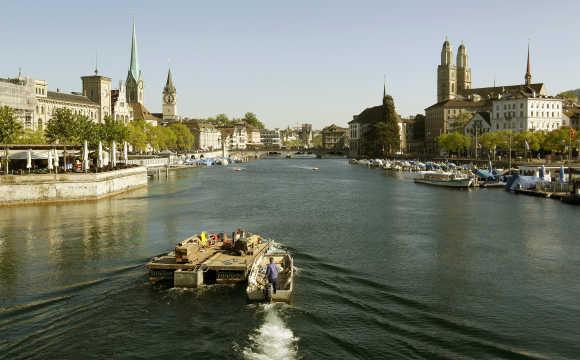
{"x": 573, "y": 95}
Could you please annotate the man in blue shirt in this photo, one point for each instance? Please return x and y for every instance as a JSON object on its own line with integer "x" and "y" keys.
{"x": 272, "y": 273}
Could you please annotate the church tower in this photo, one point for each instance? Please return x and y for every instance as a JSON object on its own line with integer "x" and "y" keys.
{"x": 463, "y": 70}
{"x": 169, "y": 99}
{"x": 528, "y": 77}
{"x": 446, "y": 74}
{"x": 134, "y": 81}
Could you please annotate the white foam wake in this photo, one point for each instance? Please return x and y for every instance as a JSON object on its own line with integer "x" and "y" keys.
{"x": 273, "y": 340}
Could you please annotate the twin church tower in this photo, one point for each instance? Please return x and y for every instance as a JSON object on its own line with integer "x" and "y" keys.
{"x": 453, "y": 79}
{"x": 135, "y": 87}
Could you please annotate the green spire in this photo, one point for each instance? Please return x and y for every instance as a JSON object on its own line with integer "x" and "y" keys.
{"x": 134, "y": 67}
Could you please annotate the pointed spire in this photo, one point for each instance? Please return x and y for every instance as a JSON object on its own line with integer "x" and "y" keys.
{"x": 134, "y": 66}
{"x": 97, "y": 63}
{"x": 528, "y": 68}
{"x": 169, "y": 87}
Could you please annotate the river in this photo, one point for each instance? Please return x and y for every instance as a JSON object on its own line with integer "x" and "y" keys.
{"x": 387, "y": 269}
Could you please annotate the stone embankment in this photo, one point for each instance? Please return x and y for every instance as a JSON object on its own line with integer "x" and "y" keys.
{"x": 38, "y": 188}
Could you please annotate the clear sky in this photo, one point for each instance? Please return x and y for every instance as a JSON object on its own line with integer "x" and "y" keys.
{"x": 290, "y": 62}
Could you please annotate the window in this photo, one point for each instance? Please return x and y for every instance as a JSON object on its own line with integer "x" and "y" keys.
{"x": 521, "y": 105}
{"x": 521, "y": 114}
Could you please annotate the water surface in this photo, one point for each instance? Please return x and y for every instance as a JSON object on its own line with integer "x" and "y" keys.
{"x": 387, "y": 269}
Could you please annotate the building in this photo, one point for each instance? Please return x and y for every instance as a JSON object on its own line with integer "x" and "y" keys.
{"x": 448, "y": 116}
{"x": 525, "y": 110}
{"x": 169, "y": 100}
{"x": 120, "y": 108}
{"x": 254, "y": 136}
{"x": 206, "y": 136}
{"x": 334, "y": 138}
{"x": 235, "y": 138}
{"x": 19, "y": 94}
{"x": 270, "y": 138}
{"x": 480, "y": 123}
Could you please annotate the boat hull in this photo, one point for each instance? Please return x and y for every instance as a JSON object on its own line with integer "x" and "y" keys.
{"x": 456, "y": 183}
{"x": 257, "y": 282}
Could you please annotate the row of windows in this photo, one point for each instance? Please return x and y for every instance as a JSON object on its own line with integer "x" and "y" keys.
{"x": 537, "y": 105}
{"x": 42, "y": 110}
{"x": 512, "y": 114}
{"x": 40, "y": 91}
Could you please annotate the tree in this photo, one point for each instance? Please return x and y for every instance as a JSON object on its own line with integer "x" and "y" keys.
{"x": 556, "y": 140}
{"x": 137, "y": 134}
{"x": 251, "y": 119}
{"x": 183, "y": 137}
{"x": 460, "y": 121}
{"x": 86, "y": 130}
{"x": 419, "y": 127}
{"x": 30, "y": 136}
{"x": 61, "y": 126}
{"x": 317, "y": 141}
{"x": 454, "y": 142}
{"x": 10, "y": 127}
{"x": 112, "y": 130}
{"x": 390, "y": 137}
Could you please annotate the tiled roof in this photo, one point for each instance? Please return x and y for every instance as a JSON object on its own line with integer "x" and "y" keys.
{"x": 459, "y": 103}
{"x": 72, "y": 98}
{"x": 141, "y": 112}
{"x": 484, "y": 92}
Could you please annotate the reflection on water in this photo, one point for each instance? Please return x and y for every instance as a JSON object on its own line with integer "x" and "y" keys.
{"x": 388, "y": 269}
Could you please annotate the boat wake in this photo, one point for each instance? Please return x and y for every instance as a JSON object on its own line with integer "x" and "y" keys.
{"x": 273, "y": 339}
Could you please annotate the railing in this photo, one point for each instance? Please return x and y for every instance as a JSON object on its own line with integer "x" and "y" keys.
{"x": 151, "y": 162}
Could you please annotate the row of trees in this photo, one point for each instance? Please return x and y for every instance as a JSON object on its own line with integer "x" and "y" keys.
{"x": 66, "y": 127}
{"x": 555, "y": 141}
{"x": 223, "y": 120}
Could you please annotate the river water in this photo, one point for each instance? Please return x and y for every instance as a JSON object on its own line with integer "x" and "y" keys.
{"x": 386, "y": 269}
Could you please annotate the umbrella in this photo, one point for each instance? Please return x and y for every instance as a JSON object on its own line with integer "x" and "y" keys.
{"x": 50, "y": 160}
{"x": 55, "y": 159}
{"x": 114, "y": 154}
{"x": 86, "y": 156}
{"x": 561, "y": 173}
{"x": 29, "y": 159}
{"x": 125, "y": 155}
{"x": 490, "y": 167}
{"x": 100, "y": 155}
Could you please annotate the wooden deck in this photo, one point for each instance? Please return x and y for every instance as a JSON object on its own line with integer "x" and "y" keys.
{"x": 228, "y": 265}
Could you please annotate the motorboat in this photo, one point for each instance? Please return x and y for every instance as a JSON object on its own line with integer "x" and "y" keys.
{"x": 259, "y": 289}
{"x": 446, "y": 179}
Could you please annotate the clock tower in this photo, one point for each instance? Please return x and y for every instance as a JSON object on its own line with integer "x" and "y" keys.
{"x": 169, "y": 99}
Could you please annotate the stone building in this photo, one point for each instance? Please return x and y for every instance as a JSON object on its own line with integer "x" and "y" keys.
{"x": 206, "y": 136}
{"x": 120, "y": 108}
{"x": 479, "y": 124}
{"x": 334, "y": 138}
{"x": 254, "y": 136}
{"x": 270, "y": 138}
{"x": 19, "y": 94}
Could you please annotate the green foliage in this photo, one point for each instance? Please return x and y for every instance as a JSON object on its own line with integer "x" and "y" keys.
{"x": 556, "y": 140}
{"x": 419, "y": 127}
{"x": 137, "y": 134}
{"x": 10, "y": 127}
{"x": 30, "y": 137}
{"x": 184, "y": 137}
{"x": 384, "y": 139}
{"x": 454, "y": 142}
{"x": 317, "y": 141}
{"x": 571, "y": 95}
{"x": 294, "y": 144}
{"x": 112, "y": 130}
{"x": 251, "y": 119}
{"x": 62, "y": 127}
{"x": 458, "y": 124}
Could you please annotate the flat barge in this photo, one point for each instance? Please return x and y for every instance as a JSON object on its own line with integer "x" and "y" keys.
{"x": 208, "y": 258}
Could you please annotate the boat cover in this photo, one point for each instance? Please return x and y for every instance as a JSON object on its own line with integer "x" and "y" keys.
{"x": 522, "y": 182}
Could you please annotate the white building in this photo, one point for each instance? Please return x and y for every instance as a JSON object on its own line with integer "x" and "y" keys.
{"x": 120, "y": 109}
{"x": 524, "y": 110}
{"x": 254, "y": 136}
{"x": 479, "y": 124}
{"x": 270, "y": 138}
{"x": 236, "y": 137}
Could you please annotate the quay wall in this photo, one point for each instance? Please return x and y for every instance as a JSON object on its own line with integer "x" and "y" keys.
{"x": 22, "y": 189}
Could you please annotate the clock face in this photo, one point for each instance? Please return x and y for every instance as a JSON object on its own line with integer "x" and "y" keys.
{"x": 169, "y": 99}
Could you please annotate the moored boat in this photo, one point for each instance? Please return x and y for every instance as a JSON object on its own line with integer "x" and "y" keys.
{"x": 445, "y": 179}
{"x": 259, "y": 289}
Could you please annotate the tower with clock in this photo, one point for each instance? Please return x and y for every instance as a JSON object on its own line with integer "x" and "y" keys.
{"x": 169, "y": 99}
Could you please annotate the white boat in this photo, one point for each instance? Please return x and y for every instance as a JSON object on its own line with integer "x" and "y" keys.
{"x": 445, "y": 179}
{"x": 258, "y": 288}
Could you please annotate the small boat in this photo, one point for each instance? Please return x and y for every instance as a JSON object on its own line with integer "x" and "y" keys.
{"x": 446, "y": 179}
{"x": 259, "y": 289}
{"x": 315, "y": 169}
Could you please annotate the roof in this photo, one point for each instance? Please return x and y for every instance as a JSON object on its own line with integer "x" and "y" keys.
{"x": 370, "y": 115}
{"x": 485, "y": 92}
{"x": 141, "y": 112}
{"x": 485, "y": 115}
{"x": 169, "y": 87}
{"x": 134, "y": 65}
{"x": 460, "y": 103}
{"x": 72, "y": 98}
{"x": 334, "y": 128}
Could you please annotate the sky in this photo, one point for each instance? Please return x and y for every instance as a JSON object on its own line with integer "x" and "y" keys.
{"x": 317, "y": 62}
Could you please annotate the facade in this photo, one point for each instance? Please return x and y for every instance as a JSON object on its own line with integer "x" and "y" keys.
{"x": 270, "y": 138}
{"x": 236, "y": 137}
{"x": 169, "y": 100}
{"x": 206, "y": 136}
{"x": 479, "y": 124}
{"x": 120, "y": 109}
{"x": 453, "y": 79}
{"x": 98, "y": 89}
{"x": 524, "y": 110}
{"x": 449, "y": 115}
{"x": 334, "y": 138}
{"x": 19, "y": 94}
{"x": 254, "y": 136}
